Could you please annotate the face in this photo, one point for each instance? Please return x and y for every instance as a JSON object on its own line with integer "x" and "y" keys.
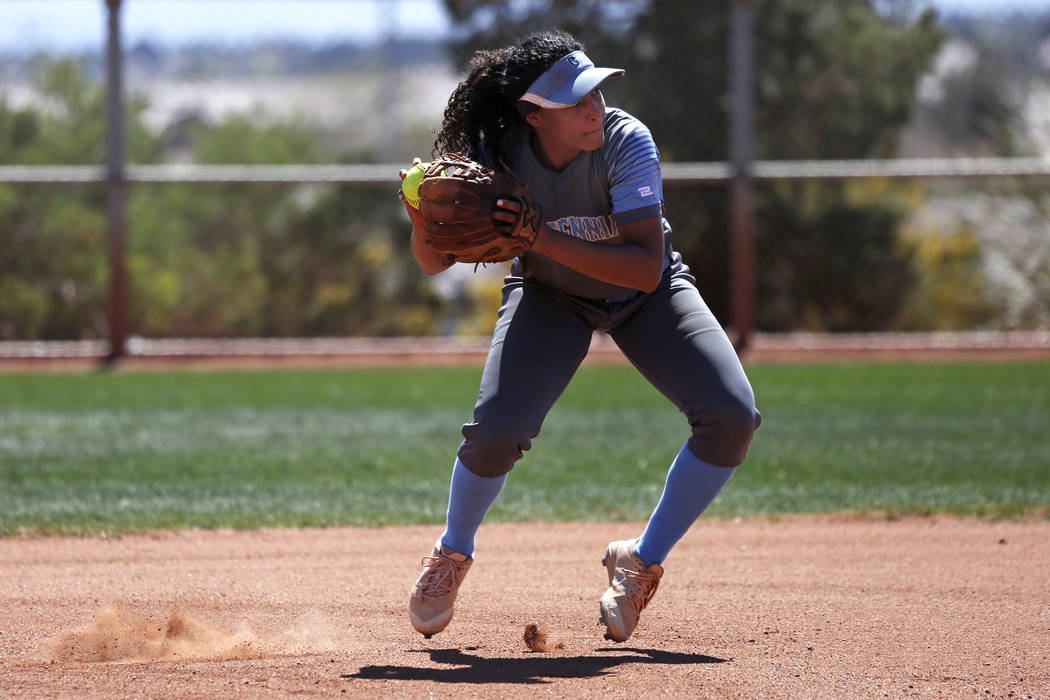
{"x": 567, "y": 131}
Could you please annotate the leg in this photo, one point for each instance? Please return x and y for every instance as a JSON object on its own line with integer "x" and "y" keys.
{"x": 677, "y": 344}
{"x": 694, "y": 365}
{"x": 469, "y": 500}
{"x": 536, "y": 348}
{"x": 691, "y": 486}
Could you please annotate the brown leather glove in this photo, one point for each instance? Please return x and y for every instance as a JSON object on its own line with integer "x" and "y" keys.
{"x": 457, "y": 199}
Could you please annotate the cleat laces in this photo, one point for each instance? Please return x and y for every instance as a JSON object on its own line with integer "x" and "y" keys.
{"x": 640, "y": 588}
{"x": 441, "y": 578}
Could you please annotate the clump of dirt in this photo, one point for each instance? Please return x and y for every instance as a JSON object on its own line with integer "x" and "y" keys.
{"x": 536, "y": 639}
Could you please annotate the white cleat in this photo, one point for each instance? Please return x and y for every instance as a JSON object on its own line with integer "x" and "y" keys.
{"x": 631, "y": 586}
{"x": 430, "y": 607}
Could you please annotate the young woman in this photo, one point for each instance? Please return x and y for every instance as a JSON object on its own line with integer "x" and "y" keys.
{"x": 603, "y": 261}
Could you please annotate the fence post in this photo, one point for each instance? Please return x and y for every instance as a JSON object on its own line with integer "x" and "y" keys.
{"x": 742, "y": 245}
{"x": 116, "y": 186}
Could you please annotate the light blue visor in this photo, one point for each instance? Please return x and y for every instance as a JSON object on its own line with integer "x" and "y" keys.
{"x": 567, "y": 82}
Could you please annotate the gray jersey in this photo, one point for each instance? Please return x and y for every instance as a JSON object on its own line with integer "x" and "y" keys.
{"x": 619, "y": 183}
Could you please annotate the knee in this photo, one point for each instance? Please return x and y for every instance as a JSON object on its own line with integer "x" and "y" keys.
{"x": 490, "y": 449}
{"x": 722, "y": 435}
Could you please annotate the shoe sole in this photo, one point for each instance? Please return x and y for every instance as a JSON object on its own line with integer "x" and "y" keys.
{"x": 428, "y": 628}
{"x": 608, "y": 619}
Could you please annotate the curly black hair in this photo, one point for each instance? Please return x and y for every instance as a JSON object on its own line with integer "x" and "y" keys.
{"x": 484, "y": 105}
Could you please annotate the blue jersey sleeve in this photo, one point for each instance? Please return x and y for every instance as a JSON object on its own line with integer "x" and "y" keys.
{"x": 636, "y": 184}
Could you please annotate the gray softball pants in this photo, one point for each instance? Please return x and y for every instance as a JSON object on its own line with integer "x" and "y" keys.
{"x": 542, "y": 336}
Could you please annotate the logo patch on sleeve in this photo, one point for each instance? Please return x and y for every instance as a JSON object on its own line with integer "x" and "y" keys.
{"x": 645, "y": 191}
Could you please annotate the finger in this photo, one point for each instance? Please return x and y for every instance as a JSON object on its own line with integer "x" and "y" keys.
{"x": 505, "y": 217}
{"x": 413, "y": 213}
{"x": 402, "y": 173}
{"x": 510, "y": 205}
{"x": 417, "y": 161}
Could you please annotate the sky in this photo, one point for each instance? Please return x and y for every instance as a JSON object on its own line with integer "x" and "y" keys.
{"x": 79, "y": 24}
{"x": 57, "y": 25}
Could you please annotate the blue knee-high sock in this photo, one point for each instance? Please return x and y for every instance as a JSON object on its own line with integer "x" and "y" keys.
{"x": 469, "y": 500}
{"x": 691, "y": 486}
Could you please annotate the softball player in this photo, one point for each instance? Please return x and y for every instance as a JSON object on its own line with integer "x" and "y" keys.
{"x": 604, "y": 261}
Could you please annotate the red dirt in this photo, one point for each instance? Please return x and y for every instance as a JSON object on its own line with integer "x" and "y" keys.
{"x": 788, "y": 607}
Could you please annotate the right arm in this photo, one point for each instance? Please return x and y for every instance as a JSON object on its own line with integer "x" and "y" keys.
{"x": 429, "y": 259}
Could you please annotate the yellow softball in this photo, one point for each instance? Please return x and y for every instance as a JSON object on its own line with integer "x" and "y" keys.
{"x": 410, "y": 185}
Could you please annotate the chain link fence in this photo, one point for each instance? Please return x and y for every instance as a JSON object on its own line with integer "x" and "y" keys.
{"x": 898, "y": 156}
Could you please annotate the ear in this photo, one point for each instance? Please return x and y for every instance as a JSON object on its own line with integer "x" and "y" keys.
{"x": 533, "y": 118}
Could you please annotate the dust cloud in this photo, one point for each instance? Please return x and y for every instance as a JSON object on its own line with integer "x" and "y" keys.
{"x": 117, "y": 634}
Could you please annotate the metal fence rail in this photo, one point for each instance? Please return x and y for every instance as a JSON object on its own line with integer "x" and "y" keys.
{"x": 213, "y": 174}
{"x": 673, "y": 173}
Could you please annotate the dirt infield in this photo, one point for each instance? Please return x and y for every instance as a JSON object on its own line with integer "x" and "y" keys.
{"x": 792, "y": 607}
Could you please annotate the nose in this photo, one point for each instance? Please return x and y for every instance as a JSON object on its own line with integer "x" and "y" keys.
{"x": 596, "y": 107}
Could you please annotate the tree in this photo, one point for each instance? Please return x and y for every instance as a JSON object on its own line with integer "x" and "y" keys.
{"x": 271, "y": 260}
{"x": 203, "y": 260}
{"x": 53, "y": 270}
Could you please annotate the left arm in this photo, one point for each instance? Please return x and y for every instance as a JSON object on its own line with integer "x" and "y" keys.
{"x": 635, "y": 259}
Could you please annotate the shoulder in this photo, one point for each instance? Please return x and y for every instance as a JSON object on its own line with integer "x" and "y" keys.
{"x": 632, "y": 166}
{"x": 629, "y": 149}
{"x": 619, "y": 126}
{"x": 627, "y": 135}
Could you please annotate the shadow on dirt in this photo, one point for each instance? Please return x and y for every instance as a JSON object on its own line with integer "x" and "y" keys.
{"x": 526, "y": 670}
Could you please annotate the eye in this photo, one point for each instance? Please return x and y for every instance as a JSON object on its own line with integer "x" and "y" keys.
{"x": 589, "y": 99}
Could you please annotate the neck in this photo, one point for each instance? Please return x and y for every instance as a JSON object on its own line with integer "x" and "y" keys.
{"x": 552, "y": 155}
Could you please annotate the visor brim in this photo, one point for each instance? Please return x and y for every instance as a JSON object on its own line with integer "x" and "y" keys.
{"x": 569, "y": 94}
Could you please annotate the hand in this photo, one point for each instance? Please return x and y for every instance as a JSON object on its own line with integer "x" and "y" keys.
{"x": 403, "y": 172}
{"x": 506, "y": 212}
{"x": 413, "y": 213}
{"x": 430, "y": 261}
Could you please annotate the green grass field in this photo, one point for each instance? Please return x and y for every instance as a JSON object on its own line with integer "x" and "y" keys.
{"x": 135, "y": 451}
